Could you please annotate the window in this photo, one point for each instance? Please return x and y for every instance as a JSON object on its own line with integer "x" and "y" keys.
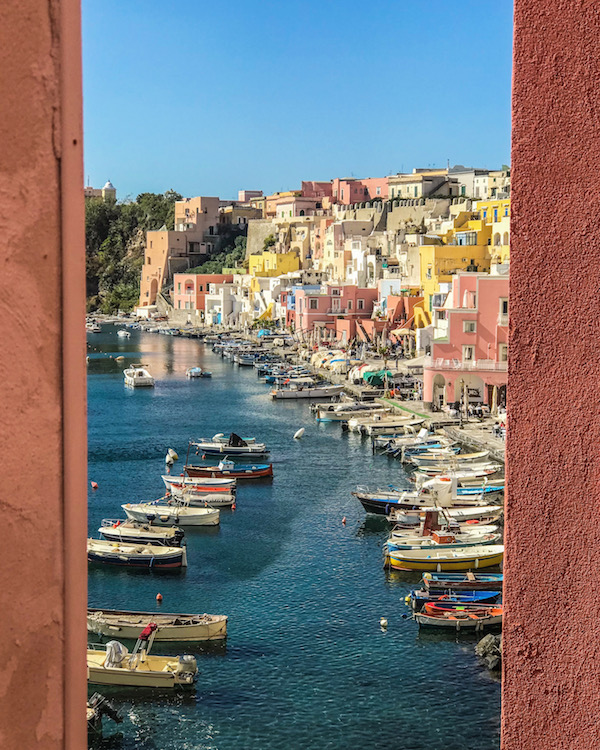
{"x": 506, "y": 210}
{"x": 150, "y": 246}
{"x": 179, "y": 287}
{"x": 503, "y": 353}
{"x": 485, "y": 213}
{"x": 429, "y": 272}
{"x": 342, "y": 193}
{"x": 314, "y": 304}
{"x": 335, "y": 292}
{"x": 463, "y": 189}
{"x": 468, "y": 353}
{"x": 179, "y": 304}
{"x": 199, "y": 287}
{"x": 469, "y": 326}
{"x": 349, "y": 304}
{"x": 378, "y": 191}
{"x": 361, "y": 304}
{"x": 504, "y": 306}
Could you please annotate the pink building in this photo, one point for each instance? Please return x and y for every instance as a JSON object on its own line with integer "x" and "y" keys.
{"x": 319, "y": 190}
{"x": 190, "y": 289}
{"x": 349, "y": 190}
{"x": 336, "y": 310}
{"x": 470, "y": 345}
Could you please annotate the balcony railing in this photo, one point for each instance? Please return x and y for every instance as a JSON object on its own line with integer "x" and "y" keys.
{"x": 502, "y": 320}
{"x": 473, "y": 364}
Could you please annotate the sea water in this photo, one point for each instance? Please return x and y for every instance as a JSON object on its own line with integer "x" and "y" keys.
{"x": 306, "y": 663}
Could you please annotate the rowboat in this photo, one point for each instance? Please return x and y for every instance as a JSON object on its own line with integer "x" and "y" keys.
{"x": 119, "y": 530}
{"x": 122, "y": 333}
{"x": 176, "y": 484}
{"x": 112, "y": 664}
{"x": 461, "y": 620}
{"x": 162, "y": 514}
{"x": 454, "y": 558}
{"x": 403, "y": 540}
{"x": 229, "y": 469}
{"x": 463, "y": 581}
{"x": 306, "y": 388}
{"x": 447, "y": 456}
{"x": 153, "y": 557}
{"x": 419, "y": 597}
{"x": 170, "y": 627}
{"x": 477, "y": 514}
{"x": 137, "y": 376}
{"x": 342, "y": 412}
{"x": 201, "y": 498}
{"x": 462, "y": 473}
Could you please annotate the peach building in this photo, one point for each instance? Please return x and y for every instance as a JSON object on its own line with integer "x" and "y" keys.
{"x": 470, "y": 344}
{"x": 170, "y": 251}
{"x": 337, "y": 310}
{"x": 190, "y": 289}
{"x": 350, "y": 190}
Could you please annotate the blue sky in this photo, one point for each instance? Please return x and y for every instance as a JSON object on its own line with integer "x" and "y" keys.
{"x": 211, "y": 97}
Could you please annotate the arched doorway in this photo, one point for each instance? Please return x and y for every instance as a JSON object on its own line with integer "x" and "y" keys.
{"x": 439, "y": 391}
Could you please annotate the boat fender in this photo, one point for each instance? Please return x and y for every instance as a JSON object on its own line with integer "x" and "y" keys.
{"x": 173, "y": 454}
{"x": 168, "y": 460}
{"x": 344, "y": 521}
{"x": 384, "y": 623}
{"x": 299, "y": 434}
{"x": 94, "y": 485}
{"x": 233, "y": 506}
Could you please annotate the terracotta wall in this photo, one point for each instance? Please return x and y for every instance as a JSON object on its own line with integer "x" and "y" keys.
{"x": 42, "y": 368}
{"x": 552, "y": 597}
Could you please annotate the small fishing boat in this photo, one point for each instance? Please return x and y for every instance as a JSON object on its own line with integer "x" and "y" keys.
{"x": 163, "y": 514}
{"x": 123, "y": 334}
{"x": 419, "y": 597}
{"x": 461, "y": 620}
{"x": 197, "y": 372}
{"x": 447, "y": 559}
{"x": 230, "y": 469}
{"x": 468, "y": 472}
{"x": 176, "y": 484}
{"x": 153, "y": 557}
{"x": 134, "y": 532}
{"x": 169, "y": 627}
{"x": 407, "y": 540}
{"x": 137, "y": 376}
{"x": 475, "y": 515}
{"x": 93, "y": 327}
{"x": 235, "y": 446}
{"x": 469, "y": 581}
{"x": 307, "y": 388}
{"x": 198, "y": 498}
{"x": 345, "y": 411}
{"x": 112, "y": 664}
{"x": 441, "y": 456}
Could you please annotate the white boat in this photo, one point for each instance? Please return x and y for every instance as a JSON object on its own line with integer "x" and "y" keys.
{"x": 112, "y": 664}
{"x": 465, "y": 536}
{"x": 307, "y": 388}
{"x": 163, "y": 514}
{"x": 176, "y": 484}
{"x": 197, "y": 372}
{"x": 478, "y": 514}
{"x": 233, "y": 446}
{"x": 122, "y": 333}
{"x": 137, "y": 376}
{"x": 445, "y": 456}
{"x": 93, "y": 327}
{"x": 343, "y": 412}
{"x": 119, "y": 530}
{"x": 151, "y": 556}
{"x": 464, "y": 472}
{"x": 371, "y": 424}
{"x": 170, "y": 627}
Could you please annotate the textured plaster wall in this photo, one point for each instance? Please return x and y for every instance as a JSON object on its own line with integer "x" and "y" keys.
{"x": 42, "y": 398}
{"x": 551, "y": 695}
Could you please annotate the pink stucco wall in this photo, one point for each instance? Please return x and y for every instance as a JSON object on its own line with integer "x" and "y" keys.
{"x": 194, "y": 288}
{"x": 42, "y": 400}
{"x": 550, "y": 696}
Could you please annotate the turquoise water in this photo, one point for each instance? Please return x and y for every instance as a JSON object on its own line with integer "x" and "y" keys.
{"x": 306, "y": 664}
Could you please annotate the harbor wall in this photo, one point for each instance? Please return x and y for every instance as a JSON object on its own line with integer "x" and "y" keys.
{"x": 42, "y": 400}
{"x": 550, "y": 696}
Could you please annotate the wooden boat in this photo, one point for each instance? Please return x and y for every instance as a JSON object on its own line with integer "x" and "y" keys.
{"x": 162, "y": 514}
{"x": 469, "y": 581}
{"x": 453, "y": 558}
{"x": 234, "y": 447}
{"x": 176, "y": 484}
{"x": 112, "y": 664}
{"x": 203, "y": 499}
{"x": 435, "y": 458}
{"x": 419, "y": 597}
{"x": 134, "y": 532}
{"x": 461, "y": 620}
{"x": 170, "y": 626}
{"x": 151, "y": 556}
{"x": 229, "y": 469}
{"x": 447, "y": 605}
{"x": 406, "y": 540}
{"x": 307, "y": 388}
{"x": 475, "y": 515}
{"x": 137, "y": 376}
{"x": 462, "y": 473}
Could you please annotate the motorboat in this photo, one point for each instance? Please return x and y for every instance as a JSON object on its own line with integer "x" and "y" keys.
{"x": 230, "y": 469}
{"x": 137, "y": 376}
{"x": 468, "y": 581}
{"x": 151, "y": 556}
{"x": 307, "y": 388}
{"x": 234, "y": 447}
{"x": 169, "y": 627}
{"x": 112, "y": 664}
{"x": 197, "y": 372}
{"x": 176, "y": 484}
{"x": 475, "y": 515}
{"x": 93, "y": 327}
{"x": 344, "y": 411}
{"x": 447, "y": 559}
{"x": 163, "y": 514}
{"x": 134, "y": 532}
{"x": 468, "y": 472}
{"x": 443, "y": 539}
{"x": 123, "y": 334}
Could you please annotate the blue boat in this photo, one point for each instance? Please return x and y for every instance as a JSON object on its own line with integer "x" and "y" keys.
{"x": 463, "y": 581}
{"x": 418, "y": 597}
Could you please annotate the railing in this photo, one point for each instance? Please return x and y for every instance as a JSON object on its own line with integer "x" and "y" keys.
{"x": 502, "y": 319}
{"x": 475, "y": 364}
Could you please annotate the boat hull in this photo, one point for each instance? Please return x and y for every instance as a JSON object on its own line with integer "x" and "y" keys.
{"x": 404, "y": 561}
{"x": 148, "y": 562}
{"x": 170, "y": 517}
{"x": 237, "y": 472}
{"x": 458, "y": 623}
{"x": 118, "y": 626}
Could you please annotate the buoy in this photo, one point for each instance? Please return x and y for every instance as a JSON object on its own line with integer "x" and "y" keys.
{"x": 159, "y": 598}
{"x": 233, "y": 506}
{"x": 384, "y": 623}
{"x": 173, "y": 454}
{"x": 299, "y": 434}
{"x": 168, "y": 460}
{"x": 94, "y": 485}
{"x": 344, "y": 520}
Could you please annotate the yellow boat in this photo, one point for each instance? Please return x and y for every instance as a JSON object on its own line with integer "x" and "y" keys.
{"x": 448, "y": 558}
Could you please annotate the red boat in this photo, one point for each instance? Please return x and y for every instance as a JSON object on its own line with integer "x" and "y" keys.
{"x": 229, "y": 469}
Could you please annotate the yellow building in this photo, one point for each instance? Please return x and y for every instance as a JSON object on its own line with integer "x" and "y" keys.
{"x": 273, "y": 264}
{"x": 495, "y": 214}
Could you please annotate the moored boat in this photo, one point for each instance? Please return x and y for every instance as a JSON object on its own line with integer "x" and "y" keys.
{"x": 170, "y": 626}
{"x": 230, "y": 469}
{"x": 456, "y": 620}
{"x": 235, "y": 446}
{"x": 419, "y": 597}
{"x": 173, "y": 483}
{"x": 153, "y": 557}
{"x": 307, "y": 388}
{"x": 162, "y": 514}
{"x": 134, "y": 532}
{"x": 197, "y": 372}
{"x": 138, "y": 376}
{"x": 469, "y": 581}
{"x": 447, "y": 559}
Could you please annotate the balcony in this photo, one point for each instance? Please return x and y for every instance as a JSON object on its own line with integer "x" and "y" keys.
{"x": 502, "y": 320}
{"x": 476, "y": 364}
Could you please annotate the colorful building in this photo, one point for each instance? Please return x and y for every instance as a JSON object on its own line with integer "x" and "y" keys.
{"x": 469, "y": 355}
{"x": 339, "y": 311}
{"x": 273, "y": 264}
{"x": 349, "y": 190}
{"x": 190, "y": 289}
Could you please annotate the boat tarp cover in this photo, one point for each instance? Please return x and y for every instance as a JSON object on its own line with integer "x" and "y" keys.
{"x": 236, "y": 440}
{"x": 376, "y": 378}
{"x": 115, "y": 653}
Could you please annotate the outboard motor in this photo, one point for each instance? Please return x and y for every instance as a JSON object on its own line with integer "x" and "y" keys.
{"x": 187, "y": 668}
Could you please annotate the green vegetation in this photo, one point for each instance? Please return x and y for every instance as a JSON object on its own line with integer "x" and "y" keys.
{"x": 269, "y": 242}
{"x": 233, "y": 253}
{"x": 115, "y": 239}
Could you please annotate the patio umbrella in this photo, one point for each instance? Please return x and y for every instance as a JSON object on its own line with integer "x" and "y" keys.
{"x": 494, "y": 409}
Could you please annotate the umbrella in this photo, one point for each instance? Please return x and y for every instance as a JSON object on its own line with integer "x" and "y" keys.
{"x": 494, "y": 409}
{"x": 403, "y": 332}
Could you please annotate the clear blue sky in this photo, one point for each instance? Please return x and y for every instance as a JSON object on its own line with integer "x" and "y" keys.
{"x": 211, "y": 97}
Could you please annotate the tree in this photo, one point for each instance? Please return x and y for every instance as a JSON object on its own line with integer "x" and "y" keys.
{"x": 269, "y": 242}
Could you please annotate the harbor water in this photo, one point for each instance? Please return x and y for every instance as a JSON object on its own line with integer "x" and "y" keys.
{"x": 306, "y": 663}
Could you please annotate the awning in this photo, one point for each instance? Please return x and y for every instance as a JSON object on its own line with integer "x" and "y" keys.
{"x": 402, "y": 332}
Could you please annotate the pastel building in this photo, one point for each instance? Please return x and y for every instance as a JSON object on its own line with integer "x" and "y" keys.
{"x": 106, "y": 193}
{"x": 339, "y": 312}
{"x": 470, "y": 343}
{"x": 273, "y": 264}
{"x": 423, "y": 184}
{"x": 190, "y": 290}
{"x": 350, "y": 190}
